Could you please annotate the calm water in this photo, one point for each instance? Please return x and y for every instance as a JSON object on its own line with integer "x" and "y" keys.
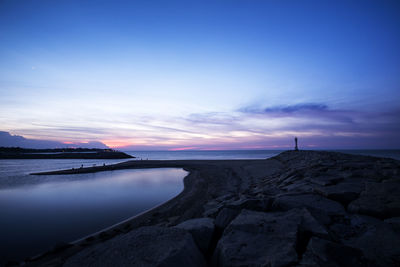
{"x": 38, "y": 212}
{"x": 214, "y": 154}
{"x": 243, "y": 154}
{"x": 36, "y": 216}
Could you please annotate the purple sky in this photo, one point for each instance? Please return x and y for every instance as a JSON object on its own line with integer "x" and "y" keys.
{"x": 201, "y": 75}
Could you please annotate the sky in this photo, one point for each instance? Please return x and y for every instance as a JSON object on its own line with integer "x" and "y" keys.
{"x": 174, "y": 75}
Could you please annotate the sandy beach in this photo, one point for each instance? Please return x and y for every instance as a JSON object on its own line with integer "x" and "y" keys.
{"x": 300, "y": 208}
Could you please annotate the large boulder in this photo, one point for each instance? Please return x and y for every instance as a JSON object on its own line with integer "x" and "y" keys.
{"x": 257, "y": 204}
{"x": 321, "y": 207}
{"x": 324, "y": 253}
{"x": 343, "y": 192}
{"x": 394, "y": 222}
{"x": 225, "y": 216}
{"x": 261, "y": 239}
{"x": 310, "y": 226}
{"x": 378, "y": 241}
{"x": 324, "y": 180}
{"x": 146, "y": 246}
{"x": 381, "y": 200}
{"x": 202, "y": 230}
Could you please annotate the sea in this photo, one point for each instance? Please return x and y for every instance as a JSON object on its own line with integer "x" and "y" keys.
{"x": 40, "y": 212}
{"x": 244, "y": 154}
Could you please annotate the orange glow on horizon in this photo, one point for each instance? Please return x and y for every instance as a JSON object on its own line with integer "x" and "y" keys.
{"x": 182, "y": 148}
{"x": 116, "y": 143}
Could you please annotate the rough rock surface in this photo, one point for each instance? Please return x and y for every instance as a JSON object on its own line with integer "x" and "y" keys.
{"x": 321, "y": 207}
{"x": 146, "y": 246}
{"x": 202, "y": 230}
{"x": 321, "y": 252}
{"x": 343, "y": 193}
{"x": 394, "y": 222}
{"x": 259, "y": 239}
{"x": 376, "y": 239}
{"x": 379, "y": 200}
{"x": 225, "y": 216}
{"x": 300, "y": 208}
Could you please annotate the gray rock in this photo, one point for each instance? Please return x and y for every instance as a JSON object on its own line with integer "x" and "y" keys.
{"x": 250, "y": 204}
{"x": 342, "y": 192}
{"x": 324, "y": 180}
{"x": 320, "y": 207}
{"x": 303, "y": 186}
{"x": 146, "y": 246}
{"x": 311, "y": 225}
{"x": 377, "y": 240}
{"x": 351, "y": 227}
{"x": 381, "y": 200}
{"x": 211, "y": 212}
{"x": 259, "y": 239}
{"x": 202, "y": 230}
{"x": 323, "y": 253}
{"x": 225, "y": 216}
{"x": 394, "y": 222}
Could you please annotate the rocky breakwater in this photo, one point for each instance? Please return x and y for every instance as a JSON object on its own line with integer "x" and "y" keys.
{"x": 300, "y": 208}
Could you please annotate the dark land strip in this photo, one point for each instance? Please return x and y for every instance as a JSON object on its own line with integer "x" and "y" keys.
{"x": 66, "y": 153}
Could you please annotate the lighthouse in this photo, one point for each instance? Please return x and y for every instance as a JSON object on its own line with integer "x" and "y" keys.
{"x": 295, "y": 146}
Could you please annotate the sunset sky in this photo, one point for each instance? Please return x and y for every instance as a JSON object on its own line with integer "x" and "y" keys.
{"x": 230, "y": 74}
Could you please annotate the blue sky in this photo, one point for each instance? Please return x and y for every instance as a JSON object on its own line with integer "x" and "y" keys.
{"x": 202, "y": 74}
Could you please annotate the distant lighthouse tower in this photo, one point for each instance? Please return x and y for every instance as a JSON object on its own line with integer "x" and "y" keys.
{"x": 295, "y": 142}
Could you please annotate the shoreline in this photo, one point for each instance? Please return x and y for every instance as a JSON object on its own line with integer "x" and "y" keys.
{"x": 124, "y": 226}
{"x": 66, "y": 153}
{"x": 192, "y": 188}
{"x": 215, "y": 187}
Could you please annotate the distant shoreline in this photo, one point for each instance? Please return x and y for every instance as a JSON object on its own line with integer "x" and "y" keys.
{"x": 60, "y": 153}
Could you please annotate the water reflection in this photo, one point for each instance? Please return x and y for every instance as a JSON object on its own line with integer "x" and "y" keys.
{"x": 36, "y": 217}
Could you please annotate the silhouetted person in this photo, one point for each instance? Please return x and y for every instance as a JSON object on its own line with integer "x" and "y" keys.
{"x": 295, "y": 147}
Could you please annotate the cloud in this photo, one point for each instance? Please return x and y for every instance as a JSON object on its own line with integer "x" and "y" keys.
{"x": 8, "y": 140}
{"x": 316, "y": 124}
{"x": 313, "y": 111}
{"x": 286, "y": 109}
{"x": 297, "y": 108}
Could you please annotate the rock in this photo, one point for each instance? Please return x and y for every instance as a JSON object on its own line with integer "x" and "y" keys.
{"x": 351, "y": 227}
{"x": 250, "y": 204}
{"x": 323, "y": 253}
{"x": 342, "y": 192}
{"x": 311, "y": 225}
{"x": 259, "y": 239}
{"x": 304, "y": 187}
{"x": 61, "y": 246}
{"x": 224, "y": 197}
{"x": 145, "y": 246}
{"x": 320, "y": 207}
{"x": 377, "y": 240}
{"x": 324, "y": 180}
{"x": 211, "y": 212}
{"x": 394, "y": 222}
{"x": 225, "y": 216}
{"x": 202, "y": 230}
{"x": 381, "y": 200}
